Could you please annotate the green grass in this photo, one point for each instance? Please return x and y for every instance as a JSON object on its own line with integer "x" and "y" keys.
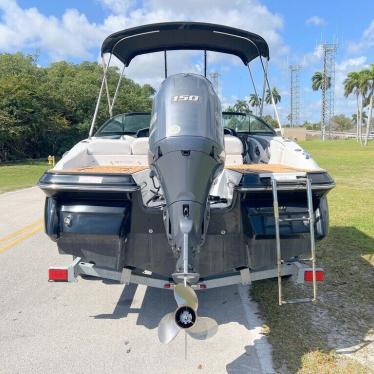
{"x": 21, "y": 174}
{"x": 304, "y": 337}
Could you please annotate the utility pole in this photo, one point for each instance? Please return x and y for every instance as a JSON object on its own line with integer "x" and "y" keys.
{"x": 328, "y": 87}
{"x": 295, "y": 95}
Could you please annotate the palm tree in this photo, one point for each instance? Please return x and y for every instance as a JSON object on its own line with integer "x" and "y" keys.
{"x": 254, "y": 101}
{"x": 357, "y": 83}
{"x": 351, "y": 84}
{"x": 273, "y": 97}
{"x": 369, "y": 75}
{"x": 364, "y": 118}
{"x": 276, "y": 96}
{"x": 318, "y": 81}
{"x": 364, "y": 86}
{"x": 323, "y": 83}
{"x": 242, "y": 106}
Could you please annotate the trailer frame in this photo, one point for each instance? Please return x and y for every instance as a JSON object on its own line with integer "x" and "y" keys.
{"x": 294, "y": 269}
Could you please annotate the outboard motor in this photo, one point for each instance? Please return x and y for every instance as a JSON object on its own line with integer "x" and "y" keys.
{"x": 186, "y": 153}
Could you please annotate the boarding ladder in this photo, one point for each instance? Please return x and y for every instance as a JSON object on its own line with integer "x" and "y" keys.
{"x": 311, "y": 220}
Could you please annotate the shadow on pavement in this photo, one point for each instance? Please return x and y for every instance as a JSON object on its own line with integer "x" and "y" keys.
{"x": 222, "y": 304}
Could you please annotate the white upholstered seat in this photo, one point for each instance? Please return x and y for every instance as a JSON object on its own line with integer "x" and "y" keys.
{"x": 233, "y": 150}
{"x": 140, "y": 146}
{"x": 109, "y": 147}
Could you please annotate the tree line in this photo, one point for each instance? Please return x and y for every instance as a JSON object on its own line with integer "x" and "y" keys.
{"x": 46, "y": 110}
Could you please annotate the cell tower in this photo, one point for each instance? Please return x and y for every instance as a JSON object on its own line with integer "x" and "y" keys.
{"x": 214, "y": 77}
{"x": 295, "y": 95}
{"x": 328, "y": 87}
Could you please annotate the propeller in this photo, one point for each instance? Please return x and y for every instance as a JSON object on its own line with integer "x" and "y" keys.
{"x": 185, "y": 318}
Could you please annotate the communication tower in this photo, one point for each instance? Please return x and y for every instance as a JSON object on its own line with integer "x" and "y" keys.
{"x": 295, "y": 95}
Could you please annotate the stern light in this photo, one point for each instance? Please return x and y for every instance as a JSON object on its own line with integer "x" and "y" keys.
{"x": 58, "y": 275}
{"x": 308, "y": 275}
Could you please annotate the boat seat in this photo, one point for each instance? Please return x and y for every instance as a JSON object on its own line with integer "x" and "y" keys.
{"x": 233, "y": 150}
{"x": 139, "y": 151}
{"x": 140, "y": 146}
{"x": 128, "y": 138}
{"x": 136, "y": 150}
{"x": 109, "y": 147}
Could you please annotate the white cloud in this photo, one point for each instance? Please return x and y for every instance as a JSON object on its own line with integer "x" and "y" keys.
{"x": 116, "y": 6}
{"x": 312, "y": 57}
{"x": 150, "y": 68}
{"x": 245, "y": 14}
{"x": 229, "y": 101}
{"x": 366, "y": 41}
{"x": 351, "y": 64}
{"x": 72, "y": 35}
{"x": 316, "y": 21}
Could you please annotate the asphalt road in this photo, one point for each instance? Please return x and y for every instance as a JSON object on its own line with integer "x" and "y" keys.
{"x": 96, "y": 326}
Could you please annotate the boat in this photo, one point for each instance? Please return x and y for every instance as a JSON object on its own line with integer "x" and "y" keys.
{"x": 187, "y": 197}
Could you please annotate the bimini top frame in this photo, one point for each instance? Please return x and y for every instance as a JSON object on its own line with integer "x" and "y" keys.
{"x": 158, "y": 37}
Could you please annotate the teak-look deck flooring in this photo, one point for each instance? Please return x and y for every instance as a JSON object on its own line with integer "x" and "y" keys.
{"x": 264, "y": 168}
{"x": 131, "y": 169}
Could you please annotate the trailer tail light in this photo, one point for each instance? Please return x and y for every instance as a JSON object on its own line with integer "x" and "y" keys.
{"x": 202, "y": 286}
{"x": 308, "y": 275}
{"x": 58, "y": 275}
{"x": 167, "y": 285}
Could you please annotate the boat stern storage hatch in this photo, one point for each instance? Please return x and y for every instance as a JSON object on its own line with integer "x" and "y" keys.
{"x": 187, "y": 196}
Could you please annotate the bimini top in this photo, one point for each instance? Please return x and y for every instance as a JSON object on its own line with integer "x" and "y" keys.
{"x": 127, "y": 44}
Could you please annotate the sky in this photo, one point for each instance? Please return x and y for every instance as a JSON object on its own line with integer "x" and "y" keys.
{"x": 73, "y": 30}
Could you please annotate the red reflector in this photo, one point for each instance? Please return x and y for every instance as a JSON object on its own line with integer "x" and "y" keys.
{"x": 58, "y": 275}
{"x": 308, "y": 275}
{"x": 202, "y": 286}
{"x": 167, "y": 285}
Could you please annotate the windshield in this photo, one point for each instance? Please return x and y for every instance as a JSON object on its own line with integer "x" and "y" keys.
{"x": 246, "y": 123}
{"x": 130, "y": 123}
{"x": 125, "y": 124}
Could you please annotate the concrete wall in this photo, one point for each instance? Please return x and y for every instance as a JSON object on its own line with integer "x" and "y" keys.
{"x": 295, "y": 133}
